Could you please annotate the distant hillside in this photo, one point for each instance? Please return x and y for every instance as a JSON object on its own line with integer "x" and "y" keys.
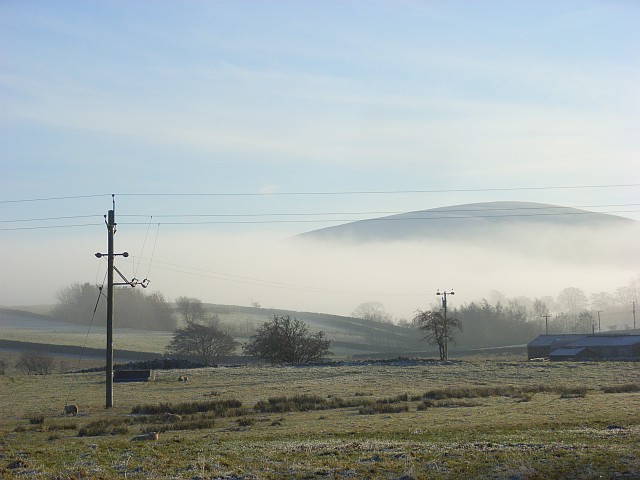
{"x": 349, "y": 335}
{"x": 474, "y": 220}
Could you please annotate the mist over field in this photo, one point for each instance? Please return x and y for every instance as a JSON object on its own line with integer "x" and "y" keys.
{"x": 335, "y": 276}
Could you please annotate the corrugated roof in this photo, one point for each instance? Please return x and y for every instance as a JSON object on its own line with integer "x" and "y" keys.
{"x": 607, "y": 341}
{"x": 548, "y": 340}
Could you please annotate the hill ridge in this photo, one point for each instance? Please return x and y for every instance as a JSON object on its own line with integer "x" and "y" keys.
{"x": 477, "y": 218}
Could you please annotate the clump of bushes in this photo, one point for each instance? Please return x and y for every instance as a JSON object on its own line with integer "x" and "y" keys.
{"x": 382, "y": 407}
{"x": 573, "y": 392}
{"x": 447, "y": 403}
{"x": 297, "y": 403}
{"x": 524, "y": 393}
{"x": 220, "y": 408}
{"x": 103, "y": 427}
{"x": 36, "y": 419}
{"x": 624, "y": 388}
{"x": 305, "y": 403}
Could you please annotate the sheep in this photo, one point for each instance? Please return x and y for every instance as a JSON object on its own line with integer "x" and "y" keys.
{"x": 71, "y": 409}
{"x": 145, "y": 436}
{"x": 183, "y": 378}
{"x": 172, "y": 417}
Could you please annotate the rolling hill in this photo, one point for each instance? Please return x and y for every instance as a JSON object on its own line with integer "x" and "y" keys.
{"x": 487, "y": 220}
{"x": 351, "y": 336}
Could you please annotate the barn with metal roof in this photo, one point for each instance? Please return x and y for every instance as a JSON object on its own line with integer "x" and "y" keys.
{"x": 585, "y": 347}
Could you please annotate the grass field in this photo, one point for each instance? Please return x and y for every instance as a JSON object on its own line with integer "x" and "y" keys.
{"x": 436, "y": 420}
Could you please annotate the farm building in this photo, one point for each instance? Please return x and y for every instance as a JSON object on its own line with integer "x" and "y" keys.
{"x": 585, "y": 347}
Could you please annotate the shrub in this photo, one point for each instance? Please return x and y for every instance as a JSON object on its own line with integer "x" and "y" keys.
{"x": 287, "y": 340}
{"x": 305, "y": 403}
{"x": 624, "y": 388}
{"x": 220, "y": 408}
{"x": 36, "y": 419}
{"x": 489, "y": 391}
{"x": 379, "y": 407}
{"x": 103, "y": 427}
{"x": 298, "y": 403}
{"x": 35, "y": 363}
{"x": 573, "y": 392}
{"x": 447, "y": 403}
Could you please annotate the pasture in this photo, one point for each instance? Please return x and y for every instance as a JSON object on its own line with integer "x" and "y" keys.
{"x": 436, "y": 420}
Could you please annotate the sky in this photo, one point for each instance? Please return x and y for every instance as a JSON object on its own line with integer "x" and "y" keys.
{"x": 224, "y": 128}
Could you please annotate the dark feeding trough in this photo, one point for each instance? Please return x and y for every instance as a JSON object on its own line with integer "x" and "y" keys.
{"x": 132, "y": 376}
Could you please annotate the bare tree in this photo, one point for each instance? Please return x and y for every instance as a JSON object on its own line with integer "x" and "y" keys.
{"x": 287, "y": 340}
{"x": 34, "y": 362}
{"x": 601, "y": 300}
{"x": 438, "y": 330}
{"x": 190, "y": 309}
{"x": 625, "y": 295}
{"x": 202, "y": 342}
{"x": 573, "y": 299}
{"x": 373, "y": 311}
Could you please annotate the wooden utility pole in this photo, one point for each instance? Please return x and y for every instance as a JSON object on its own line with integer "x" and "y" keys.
{"x": 111, "y": 227}
{"x": 446, "y": 334}
{"x": 110, "y": 220}
{"x": 546, "y": 323}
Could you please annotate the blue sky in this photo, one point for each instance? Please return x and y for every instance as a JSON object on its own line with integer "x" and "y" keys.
{"x": 467, "y": 101}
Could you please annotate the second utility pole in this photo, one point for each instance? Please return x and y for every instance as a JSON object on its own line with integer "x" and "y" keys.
{"x": 111, "y": 226}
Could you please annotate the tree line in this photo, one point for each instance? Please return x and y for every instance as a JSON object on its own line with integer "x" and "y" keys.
{"x": 85, "y": 304}
{"x": 200, "y": 335}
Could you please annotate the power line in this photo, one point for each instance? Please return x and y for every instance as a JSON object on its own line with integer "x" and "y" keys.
{"x": 325, "y": 193}
{"x": 389, "y": 192}
{"x": 51, "y": 227}
{"x": 384, "y": 219}
{"x": 46, "y": 199}
{"x": 48, "y": 218}
{"x": 326, "y": 220}
{"x": 438, "y": 210}
{"x": 318, "y": 214}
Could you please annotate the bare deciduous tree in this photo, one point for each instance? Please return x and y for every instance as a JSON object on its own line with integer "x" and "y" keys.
{"x": 373, "y": 311}
{"x": 35, "y": 363}
{"x": 438, "y": 330}
{"x": 202, "y": 342}
{"x": 287, "y": 340}
{"x": 573, "y": 299}
{"x": 191, "y": 310}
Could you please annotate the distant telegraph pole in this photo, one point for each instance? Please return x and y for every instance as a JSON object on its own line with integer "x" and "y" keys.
{"x": 110, "y": 220}
{"x": 444, "y": 306}
{"x": 546, "y": 323}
